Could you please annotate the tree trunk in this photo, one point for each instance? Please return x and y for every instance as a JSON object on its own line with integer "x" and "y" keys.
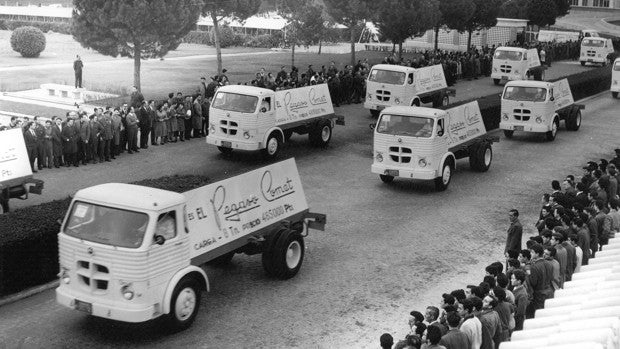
{"x": 393, "y": 48}
{"x": 468, "y": 40}
{"x": 137, "y": 56}
{"x": 293, "y": 54}
{"x": 400, "y": 52}
{"x": 320, "y": 46}
{"x": 352, "y": 27}
{"x": 218, "y": 48}
{"x": 436, "y": 37}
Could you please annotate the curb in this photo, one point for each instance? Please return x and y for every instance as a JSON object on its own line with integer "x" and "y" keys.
{"x": 27, "y": 293}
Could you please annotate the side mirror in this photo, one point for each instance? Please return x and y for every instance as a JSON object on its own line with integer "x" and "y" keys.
{"x": 439, "y": 132}
{"x": 263, "y": 110}
{"x": 552, "y": 99}
{"x": 372, "y": 126}
{"x": 159, "y": 239}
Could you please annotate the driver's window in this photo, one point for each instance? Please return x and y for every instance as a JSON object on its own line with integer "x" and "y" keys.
{"x": 440, "y": 127}
{"x": 410, "y": 79}
{"x": 265, "y": 105}
{"x": 525, "y": 56}
{"x": 551, "y": 94}
{"x": 167, "y": 225}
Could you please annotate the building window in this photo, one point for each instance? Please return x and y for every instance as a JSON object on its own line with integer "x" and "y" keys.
{"x": 601, "y": 3}
{"x": 574, "y": 2}
{"x": 585, "y": 3}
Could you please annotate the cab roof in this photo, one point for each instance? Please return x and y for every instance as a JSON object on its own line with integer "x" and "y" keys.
{"x": 245, "y": 90}
{"x": 130, "y": 196}
{"x": 414, "y": 111}
{"x": 510, "y": 48}
{"x": 393, "y": 67}
{"x": 529, "y": 83}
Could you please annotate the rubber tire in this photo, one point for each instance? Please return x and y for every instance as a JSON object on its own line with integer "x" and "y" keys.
{"x": 441, "y": 100}
{"x": 550, "y": 135}
{"x": 316, "y": 135}
{"x": 187, "y": 283}
{"x": 289, "y": 238}
{"x": 614, "y": 94}
{"x": 225, "y": 150}
{"x": 4, "y": 206}
{"x": 583, "y": 64}
{"x": 478, "y": 159}
{"x": 573, "y": 122}
{"x": 386, "y": 178}
{"x": 509, "y": 133}
{"x": 267, "y": 255}
{"x": 439, "y": 183}
{"x": 287, "y": 135}
{"x": 272, "y": 154}
{"x": 222, "y": 260}
{"x": 375, "y": 113}
{"x": 496, "y": 81}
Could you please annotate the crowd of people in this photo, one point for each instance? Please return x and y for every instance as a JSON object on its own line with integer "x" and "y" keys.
{"x": 82, "y": 138}
{"x": 576, "y": 219}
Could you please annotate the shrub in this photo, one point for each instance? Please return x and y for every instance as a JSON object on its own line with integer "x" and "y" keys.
{"x": 57, "y": 27}
{"x": 227, "y": 37}
{"x": 29, "y": 41}
{"x": 199, "y": 37}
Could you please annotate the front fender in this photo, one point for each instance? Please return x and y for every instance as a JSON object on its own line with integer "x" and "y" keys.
{"x": 270, "y": 131}
{"x": 196, "y": 272}
{"x": 444, "y": 158}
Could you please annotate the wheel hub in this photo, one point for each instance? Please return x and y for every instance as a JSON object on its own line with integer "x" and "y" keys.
{"x": 185, "y": 304}
{"x": 293, "y": 255}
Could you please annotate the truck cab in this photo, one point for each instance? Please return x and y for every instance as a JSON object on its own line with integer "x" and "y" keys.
{"x": 615, "y": 78}
{"x": 513, "y": 63}
{"x": 120, "y": 248}
{"x": 239, "y": 117}
{"x": 595, "y": 50}
{"x": 394, "y": 85}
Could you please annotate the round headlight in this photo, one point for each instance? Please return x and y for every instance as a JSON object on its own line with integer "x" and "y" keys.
{"x": 397, "y": 100}
{"x": 246, "y": 135}
{"x": 422, "y": 162}
{"x": 379, "y": 157}
{"x": 66, "y": 279}
{"x": 505, "y": 116}
{"x": 64, "y": 275}
{"x": 495, "y": 70}
{"x": 211, "y": 128}
{"x": 538, "y": 120}
{"x": 127, "y": 292}
{"x": 369, "y": 96}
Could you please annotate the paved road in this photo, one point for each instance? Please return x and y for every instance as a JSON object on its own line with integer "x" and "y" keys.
{"x": 388, "y": 249}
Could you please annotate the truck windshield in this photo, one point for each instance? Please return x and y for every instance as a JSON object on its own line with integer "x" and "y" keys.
{"x": 387, "y": 77}
{"x": 508, "y": 55}
{"x": 106, "y": 225}
{"x": 235, "y": 102}
{"x": 519, "y": 93}
{"x": 405, "y": 125}
{"x": 617, "y": 66}
{"x": 592, "y": 43}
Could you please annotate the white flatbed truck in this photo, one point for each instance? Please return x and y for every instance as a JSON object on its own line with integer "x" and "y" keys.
{"x": 424, "y": 143}
{"x": 132, "y": 253}
{"x": 253, "y": 118}
{"x": 615, "y": 78}
{"x": 515, "y": 63}
{"x": 539, "y": 106}
{"x": 16, "y": 179}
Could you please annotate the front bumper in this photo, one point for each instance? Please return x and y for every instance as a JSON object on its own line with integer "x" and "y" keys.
{"x": 403, "y": 172}
{"x": 506, "y": 76}
{"x": 519, "y": 126}
{"x": 119, "y": 312}
{"x": 227, "y": 143}
{"x": 375, "y": 106}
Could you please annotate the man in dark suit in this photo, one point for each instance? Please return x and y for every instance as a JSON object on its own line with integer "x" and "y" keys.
{"x": 39, "y": 129}
{"x": 513, "y": 238}
{"x": 616, "y": 160}
{"x": 145, "y": 124}
{"x": 69, "y": 136}
{"x": 30, "y": 137}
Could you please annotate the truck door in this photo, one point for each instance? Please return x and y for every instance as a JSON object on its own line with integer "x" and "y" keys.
{"x": 169, "y": 251}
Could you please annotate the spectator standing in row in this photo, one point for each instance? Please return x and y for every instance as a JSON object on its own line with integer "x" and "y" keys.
{"x": 145, "y": 123}
{"x": 69, "y": 143}
{"x": 515, "y": 232}
{"x": 521, "y": 297}
{"x": 454, "y": 338}
{"x": 471, "y": 326}
{"x": 132, "y": 131}
{"x": 30, "y": 137}
{"x": 539, "y": 282}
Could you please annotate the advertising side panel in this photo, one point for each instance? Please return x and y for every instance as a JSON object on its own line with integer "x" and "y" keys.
{"x": 532, "y": 58}
{"x": 303, "y": 103}
{"x": 222, "y": 212}
{"x": 14, "y": 164}
{"x": 464, "y": 123}
{"x": 430, "y": 79}
{"x": 562, "y": 94}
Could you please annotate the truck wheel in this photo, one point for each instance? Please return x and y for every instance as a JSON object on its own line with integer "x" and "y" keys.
{"x": 583, "y": 63}
{"x": 441, "y": 100}
{"x": 614, "y": 94}
{"x": 4, "y": 206}
{"x": 288, "y": 254}
{"x": 554, "y": 130}
{"x": 573, "y": 122}
{"x": 386, "y": 178}
{"x": 441, "y": 183}
{"x": 374, "y": 113}
{"x": 321, "y": 134}
{"x": 496, "y": 81}
{"x": 272, "y": 148}
{"x": 268, "y": 252}
{"x": 225, "y": 150}
{"x": 480, "y": 157}
{"x": 184, "y": 304}
{"x": 509, "y": 133}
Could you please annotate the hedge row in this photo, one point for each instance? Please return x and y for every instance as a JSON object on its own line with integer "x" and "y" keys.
{"x": 582, "y": 85}
{"x": 229, "y": 38}
{"x": 57, "y": 27}
{"x": 29, "y": 241}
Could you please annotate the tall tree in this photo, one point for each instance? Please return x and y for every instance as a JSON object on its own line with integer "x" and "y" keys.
{"x": 139, "y": 29}
{"x": 454, "y": 14}
{"x": 232, "y": 9}
{"x": 484, "y": 17}
{"x": 351, "y": 13}
{"x": 563, "y": 7}
{"x": 514, "y": 9}
{"x": 305, "y": 22}
{"x": 401, "y": 19}
{"x": 541, "y": 12}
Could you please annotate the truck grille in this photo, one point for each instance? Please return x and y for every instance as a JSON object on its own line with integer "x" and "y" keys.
{"x": 505, "y": 68}
{"x": 522, "y": 114}
{"x": 229, "y": 127}
{"x": 383, "y": 95}
{"x": 400, "y": 154}
{"x": 94, "y": 276}
{"x": 590, "y": 53}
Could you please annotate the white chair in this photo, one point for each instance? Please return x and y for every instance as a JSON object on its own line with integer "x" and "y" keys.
{"x": 545, "y": 321}
{"x": 547, "y": 312}
{"x": 563, "y": 301}
{"x": 595, "y": 313}
{"x": 597, "y": 266}
{"x": 575, "y": 291}
{"x": 604, "y": 336}
{"x": 585, "y": 282}
{"x": 580, "y": 345}
{"x": 602, "y": 322}
{"x": 610, "y": 247}
{"x": 589, "y": 274}
{"x": 603, "y": 259}
{"x": 525, "y": 344}
{"x": 606, "y": 253}
{"x": 533, "y": 333}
